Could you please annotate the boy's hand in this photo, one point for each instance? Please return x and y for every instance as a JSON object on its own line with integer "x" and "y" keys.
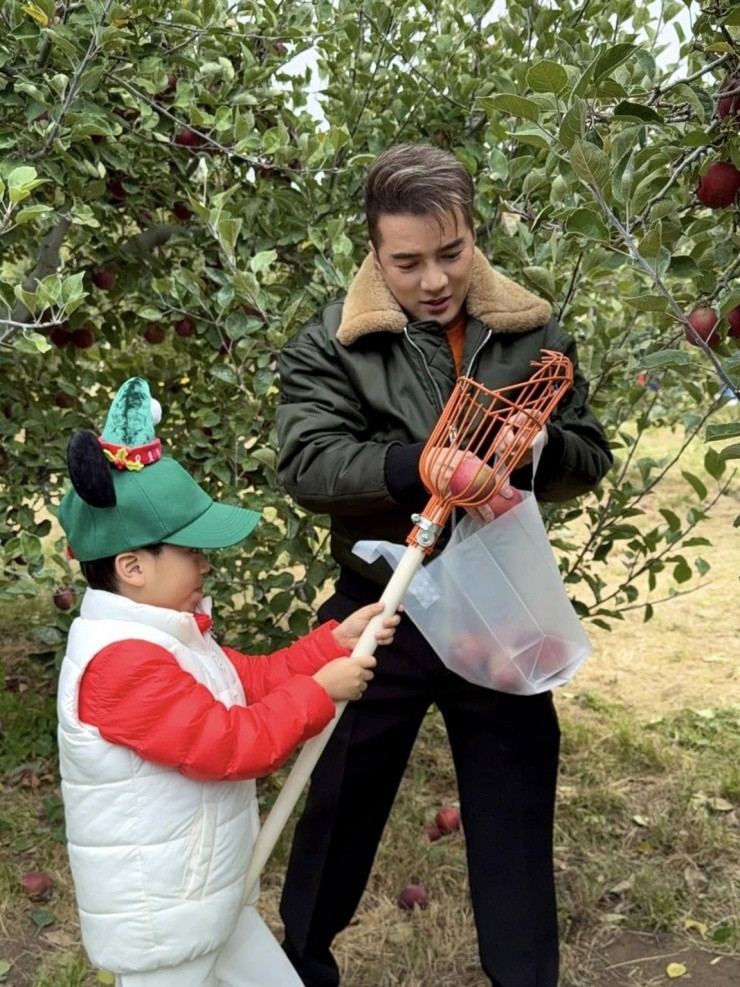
{"x": 348, "y": 633}
{"x": 346, "y": 678}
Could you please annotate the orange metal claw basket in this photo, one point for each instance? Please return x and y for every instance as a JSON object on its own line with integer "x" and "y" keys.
{"x": 471, "y": 424}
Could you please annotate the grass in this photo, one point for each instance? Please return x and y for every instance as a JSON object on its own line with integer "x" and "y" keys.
{"x": 647, "y": 831}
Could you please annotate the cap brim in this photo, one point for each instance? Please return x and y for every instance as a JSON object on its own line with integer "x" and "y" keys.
{"x": 219, "y": 526}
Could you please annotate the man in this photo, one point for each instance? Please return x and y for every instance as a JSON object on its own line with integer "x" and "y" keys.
{"x": 362, "y": 387}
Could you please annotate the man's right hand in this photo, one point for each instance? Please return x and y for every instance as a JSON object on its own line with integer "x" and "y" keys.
{"x": 346, "y": 678}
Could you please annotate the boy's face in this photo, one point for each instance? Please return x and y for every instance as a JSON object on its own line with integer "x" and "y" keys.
{"x": 426, "y": 265}
{"x": 172, "y": 579}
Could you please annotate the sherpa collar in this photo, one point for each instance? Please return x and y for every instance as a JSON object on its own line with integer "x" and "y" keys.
{"x": 495, "y": 300}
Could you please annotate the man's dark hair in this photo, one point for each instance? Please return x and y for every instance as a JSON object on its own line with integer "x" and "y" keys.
{"x": 417, "y": 180}
{"x": 101, "y": 573}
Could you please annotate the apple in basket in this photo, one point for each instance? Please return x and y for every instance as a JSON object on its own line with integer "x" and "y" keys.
{"x": 473, "y": 478}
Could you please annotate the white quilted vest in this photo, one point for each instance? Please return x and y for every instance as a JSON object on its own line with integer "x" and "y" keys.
{"x": 158, "y": 859}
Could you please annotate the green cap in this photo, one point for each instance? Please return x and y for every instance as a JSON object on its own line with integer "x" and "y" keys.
{"x": 148, "y": 498}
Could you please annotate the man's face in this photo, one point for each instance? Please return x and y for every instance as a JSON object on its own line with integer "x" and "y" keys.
{"x": 426, "y": 265}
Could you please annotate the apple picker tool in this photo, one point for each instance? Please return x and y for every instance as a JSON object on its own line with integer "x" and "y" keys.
{"x": 470, "y": 426}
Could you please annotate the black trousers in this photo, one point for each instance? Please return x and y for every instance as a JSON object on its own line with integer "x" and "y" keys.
{"x": 505, "y": 752}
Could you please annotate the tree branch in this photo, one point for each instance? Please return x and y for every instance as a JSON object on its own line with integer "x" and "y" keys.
{"x": 47, "y": 263}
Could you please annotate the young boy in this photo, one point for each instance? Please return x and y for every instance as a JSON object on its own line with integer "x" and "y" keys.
{"x": 161, "y": 731}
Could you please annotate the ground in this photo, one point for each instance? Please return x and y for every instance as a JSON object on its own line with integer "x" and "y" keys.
{"x": 647, "y": 829}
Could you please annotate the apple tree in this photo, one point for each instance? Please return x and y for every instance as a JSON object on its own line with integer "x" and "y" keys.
{"x": 180, "y": 186}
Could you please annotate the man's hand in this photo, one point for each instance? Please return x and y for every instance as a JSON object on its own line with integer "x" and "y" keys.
{"x": 348, "y": 633}
{"x": 509, "y": 438}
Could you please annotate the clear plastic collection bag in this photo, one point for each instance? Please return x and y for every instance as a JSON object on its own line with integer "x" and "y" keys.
{"x": 493, "y": 605}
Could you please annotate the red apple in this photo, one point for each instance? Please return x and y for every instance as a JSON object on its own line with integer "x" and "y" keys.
{"x": 188, "y": 138}
{"x": 61, "y": 337}
{"x": 3, "y": 458}
{"x": 83, "y": 338}
{"x": 104, "y": 278}
{"x": 470, "y": 481}
{"x": 413, "y": 895}
{"x": 64, "y": 598}
{"x": 37, "y": 886}
{"x": 182, "y": 211}
{"x": 155, "y": 333}
{"x": 63, "y": 400}
{"x": 116, "y": 191}
{"x": 733, "y": 317}
{"x": 730, "y": 105}
{"x": 703, "y": 322}
{"x": 719, "y": 186}
{"x": 185, "y": 327}
{"x": 433, "y": 833}
{"x": 447, "y": 820}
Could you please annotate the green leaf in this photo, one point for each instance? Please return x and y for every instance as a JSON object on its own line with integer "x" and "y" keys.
{"x": 696, "y": 483}
{"x": 547, "y": 77}
{"x": 682, "y": 572}
{"x": 542, "y": 279}
{"x": 608, "y": 60}
{"x": 731, "y": 451}
{"x": 714, "y": 464}
{"x": 665, "y": 358}
{"x": 587, "y": 223}
{"x": 574, "y": 124}
{"x": 648, "y": 613}
{"x": 590, "y": 163}
{"x": 727, "y": 430}
{"x": 228, "y": 231}
{"x": 636, "y": 111}
{"x": 31, "y": 342}
{"x": 42, "y": 917}
{"x": 262, "y": 260}
{"x": 508, "y": 103}
{"x": 531, "y": 135}
{"x": 223, "y": 372}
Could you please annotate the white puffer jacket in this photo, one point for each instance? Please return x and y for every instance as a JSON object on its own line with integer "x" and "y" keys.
{"x": 158, "y": 860}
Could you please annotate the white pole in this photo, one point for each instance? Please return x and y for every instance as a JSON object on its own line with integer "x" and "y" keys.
{"x": 312, "y": 749}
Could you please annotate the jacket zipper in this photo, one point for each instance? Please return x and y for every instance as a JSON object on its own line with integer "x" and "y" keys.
{"x": 426, "y": 368}
{"x": 474, "y": 357}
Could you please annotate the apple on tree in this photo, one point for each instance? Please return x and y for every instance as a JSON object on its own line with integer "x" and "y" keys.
{"x": 719, "y": 186}
{"x": 64, "y": 598}
{"x": 703, "y": 321}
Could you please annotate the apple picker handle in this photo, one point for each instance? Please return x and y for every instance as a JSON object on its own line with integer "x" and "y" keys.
{"x": 312, "y": 749}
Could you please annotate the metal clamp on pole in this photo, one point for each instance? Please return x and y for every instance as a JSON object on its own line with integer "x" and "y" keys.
{"x": 429, "y": 532}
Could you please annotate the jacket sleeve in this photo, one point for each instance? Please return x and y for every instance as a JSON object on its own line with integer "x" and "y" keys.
{"x": 260, "y": 674}
{"x": 577, "y": 454}
{"x": 138, "y": 696}
{"x": 328, "y": 462}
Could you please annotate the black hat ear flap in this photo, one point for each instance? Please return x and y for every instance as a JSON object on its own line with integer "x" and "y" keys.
{"x": 90, "y": 471}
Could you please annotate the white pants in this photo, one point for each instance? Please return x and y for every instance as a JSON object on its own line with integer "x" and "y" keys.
{"x": 251, "y": 957}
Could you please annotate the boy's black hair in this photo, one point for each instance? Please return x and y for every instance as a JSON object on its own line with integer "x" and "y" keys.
{"x": 101, "y": 573}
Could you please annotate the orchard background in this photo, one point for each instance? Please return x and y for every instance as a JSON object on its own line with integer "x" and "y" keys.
{"x": 174, "y": 205}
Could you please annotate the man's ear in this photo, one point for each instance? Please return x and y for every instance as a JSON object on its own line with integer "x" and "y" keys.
{"x": 129, "y": 569}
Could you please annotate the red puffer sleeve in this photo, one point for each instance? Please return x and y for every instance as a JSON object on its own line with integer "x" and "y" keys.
{"x": 260, "y": 674}
{"x": 138, "y": 696}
